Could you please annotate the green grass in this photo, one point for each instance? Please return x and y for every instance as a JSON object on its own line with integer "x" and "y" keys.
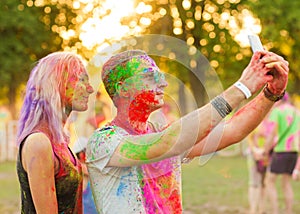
{"x": 218, "y": 186}
{"x": 9, "y": 193}
{"x": 221, "y": 186}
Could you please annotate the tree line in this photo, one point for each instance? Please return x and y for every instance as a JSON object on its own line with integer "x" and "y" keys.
{"x": 31, "y": 29}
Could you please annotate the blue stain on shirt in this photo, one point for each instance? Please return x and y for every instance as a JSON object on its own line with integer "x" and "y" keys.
{"x": 122, "y": 187}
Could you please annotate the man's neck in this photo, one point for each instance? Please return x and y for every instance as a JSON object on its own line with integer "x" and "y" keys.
{"x": 134, "y": 121}
{"x": 132, "y": 127}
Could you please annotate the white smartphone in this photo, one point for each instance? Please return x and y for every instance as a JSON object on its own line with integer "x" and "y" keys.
{"x": 255, "y": 43}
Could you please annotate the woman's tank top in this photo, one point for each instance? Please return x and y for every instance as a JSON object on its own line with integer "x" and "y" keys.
{"x": 68, "y": 182}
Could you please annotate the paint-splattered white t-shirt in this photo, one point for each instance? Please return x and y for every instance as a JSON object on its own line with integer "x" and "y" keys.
{"x": 148, "y": 188}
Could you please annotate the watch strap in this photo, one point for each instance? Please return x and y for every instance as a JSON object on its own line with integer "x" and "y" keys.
{"x": 273, "y": 97}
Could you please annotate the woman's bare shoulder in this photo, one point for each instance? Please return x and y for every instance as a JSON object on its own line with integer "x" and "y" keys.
{"x": 37, "y": 142}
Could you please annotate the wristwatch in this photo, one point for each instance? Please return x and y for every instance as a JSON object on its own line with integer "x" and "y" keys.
{"x": 273, "y": 97}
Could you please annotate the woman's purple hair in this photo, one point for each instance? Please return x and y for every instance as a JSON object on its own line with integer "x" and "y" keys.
{"x": 45, "y": 95}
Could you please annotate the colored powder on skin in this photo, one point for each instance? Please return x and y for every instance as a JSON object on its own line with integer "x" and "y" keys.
{"x": 69, "y": 94}
{"x": 71, "y": 84}
{"x": 138, "y": 112}
{"x": 135, "y": 151}
{"x": 139, "y": 107}
{"x": 125, "y": 70}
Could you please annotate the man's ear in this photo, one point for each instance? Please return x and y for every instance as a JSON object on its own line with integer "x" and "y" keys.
{"x": 121, "y": 89}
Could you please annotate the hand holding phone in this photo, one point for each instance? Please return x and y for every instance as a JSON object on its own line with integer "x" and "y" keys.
{"x": 256, "y": 45}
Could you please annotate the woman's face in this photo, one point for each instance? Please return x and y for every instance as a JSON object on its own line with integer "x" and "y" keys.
{"x": 78, "y": 90}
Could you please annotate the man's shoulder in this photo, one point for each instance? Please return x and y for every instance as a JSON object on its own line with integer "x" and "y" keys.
{"x": 106, "y": 134}
{"x": 103, "y": 142}
{"x": 102, "y": 132}
{"x": 104, "y": 129}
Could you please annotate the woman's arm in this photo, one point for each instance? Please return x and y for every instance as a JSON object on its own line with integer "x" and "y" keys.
{"x": 38, "y": 162}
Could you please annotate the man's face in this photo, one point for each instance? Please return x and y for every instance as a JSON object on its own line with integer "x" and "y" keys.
{"x": 146, "y": 87}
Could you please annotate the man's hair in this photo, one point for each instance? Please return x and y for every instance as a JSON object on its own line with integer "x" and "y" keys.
{"x": 117, "y": 68}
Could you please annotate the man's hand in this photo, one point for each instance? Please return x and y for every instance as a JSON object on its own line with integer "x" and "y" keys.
{"x": 255, "y": 75}
{"x": 280, "y": 70}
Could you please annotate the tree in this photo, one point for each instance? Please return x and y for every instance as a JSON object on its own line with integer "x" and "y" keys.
{"x": 280, "y": 22}
{"x": 204, "y": 24}
{"x": 28, "y": 31}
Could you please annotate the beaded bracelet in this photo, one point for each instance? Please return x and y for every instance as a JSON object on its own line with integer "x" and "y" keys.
{"x": 221, "y": 105}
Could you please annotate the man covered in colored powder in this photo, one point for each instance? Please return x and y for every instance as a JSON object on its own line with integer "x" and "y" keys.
{"x": 135, "y": 165}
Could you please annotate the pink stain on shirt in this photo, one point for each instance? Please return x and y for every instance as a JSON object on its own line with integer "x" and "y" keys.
{"x": 289, "y": 119}
{"x": 289, "y": 143}
{"x": 160, "y": 188}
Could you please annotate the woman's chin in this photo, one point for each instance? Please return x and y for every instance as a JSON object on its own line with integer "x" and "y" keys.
{"x": 80, "y": 108}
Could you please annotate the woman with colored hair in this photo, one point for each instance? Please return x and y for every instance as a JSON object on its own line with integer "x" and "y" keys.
{"x": 50, "y": 176}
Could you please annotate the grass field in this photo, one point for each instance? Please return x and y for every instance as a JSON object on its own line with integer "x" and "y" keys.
{"x": 9, "y": 189}
{"x": 219, "y": 186}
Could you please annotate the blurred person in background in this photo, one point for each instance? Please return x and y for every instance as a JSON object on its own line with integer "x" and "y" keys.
{"x": 284, "y": 141}
{"x": 49, "y": 173}
{"x": 135, "y": 165}
{"x": 257, "y": 165}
